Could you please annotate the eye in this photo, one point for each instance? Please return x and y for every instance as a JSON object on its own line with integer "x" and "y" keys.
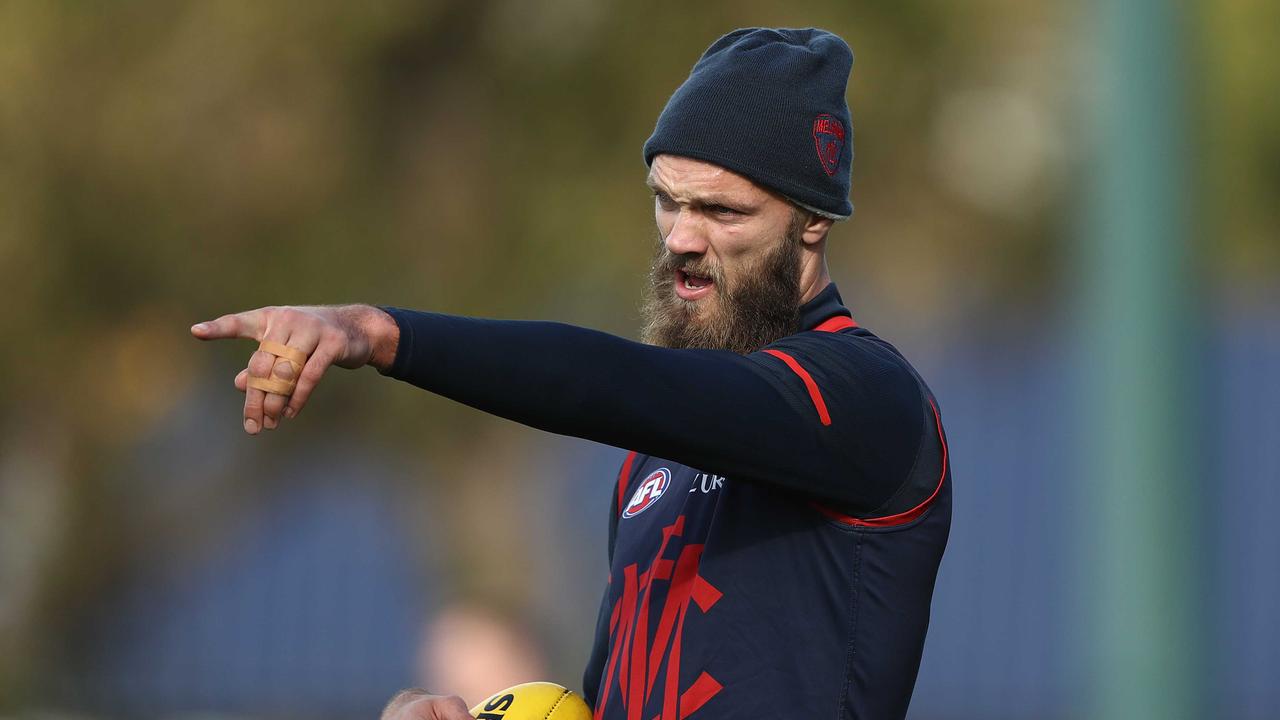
{"x": 722, "y": 210}
{"x": 664, "y": 200}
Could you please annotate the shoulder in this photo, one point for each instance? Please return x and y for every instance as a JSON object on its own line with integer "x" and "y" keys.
{"x": 852, "y": 366}
{"x": 875, "y": 411}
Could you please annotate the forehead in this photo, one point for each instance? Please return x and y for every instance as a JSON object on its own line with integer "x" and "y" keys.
{"x": 686, "y": 177}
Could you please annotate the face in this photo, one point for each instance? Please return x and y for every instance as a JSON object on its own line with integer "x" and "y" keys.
{"x": 726, "y": 271}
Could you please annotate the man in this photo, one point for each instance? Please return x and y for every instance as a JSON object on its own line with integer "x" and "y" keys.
{"x": 777, "y": 528}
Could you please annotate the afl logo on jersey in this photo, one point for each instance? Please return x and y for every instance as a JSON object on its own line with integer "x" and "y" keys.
{"x": 651, "y": 488}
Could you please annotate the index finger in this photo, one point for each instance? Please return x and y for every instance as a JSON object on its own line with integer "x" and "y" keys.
{"x": 248, "y": 325}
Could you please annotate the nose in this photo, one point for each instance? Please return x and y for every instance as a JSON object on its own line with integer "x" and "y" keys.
{"x": 687, "y": 235}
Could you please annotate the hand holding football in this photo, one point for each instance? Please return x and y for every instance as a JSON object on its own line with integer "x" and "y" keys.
{"x": 533, "y": 701}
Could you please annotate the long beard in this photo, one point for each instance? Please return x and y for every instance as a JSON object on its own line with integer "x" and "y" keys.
{"x": 763, "y": 306}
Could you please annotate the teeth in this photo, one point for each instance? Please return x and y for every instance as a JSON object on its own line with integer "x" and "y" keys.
{"x": 690, "y": 279}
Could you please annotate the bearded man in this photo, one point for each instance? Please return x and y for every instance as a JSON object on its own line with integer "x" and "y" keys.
{"x": 776, "y": 529}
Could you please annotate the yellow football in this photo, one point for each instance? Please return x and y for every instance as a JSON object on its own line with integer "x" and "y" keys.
{"x": 533, "y": 701}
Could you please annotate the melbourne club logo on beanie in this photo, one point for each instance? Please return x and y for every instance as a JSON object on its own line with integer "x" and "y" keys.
{"x": 759, "y": 102}
{"x": 828, "y": 139}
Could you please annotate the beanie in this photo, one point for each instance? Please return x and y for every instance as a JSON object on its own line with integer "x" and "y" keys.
{"x": 768, "y": 103}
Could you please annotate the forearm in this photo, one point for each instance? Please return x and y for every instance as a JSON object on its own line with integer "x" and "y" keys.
{"x": 704, "y": 408}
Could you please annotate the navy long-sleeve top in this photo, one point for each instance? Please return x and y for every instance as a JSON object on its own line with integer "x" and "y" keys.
{"x": 776, "y": 528}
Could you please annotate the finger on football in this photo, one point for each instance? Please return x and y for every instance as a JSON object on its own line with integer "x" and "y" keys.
{"x": 453, "y": 708}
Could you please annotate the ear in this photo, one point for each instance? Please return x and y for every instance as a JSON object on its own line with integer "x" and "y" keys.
{"x": 815, "y": 228}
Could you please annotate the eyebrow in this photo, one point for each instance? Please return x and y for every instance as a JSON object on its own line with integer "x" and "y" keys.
{"x": 708, "y": 199}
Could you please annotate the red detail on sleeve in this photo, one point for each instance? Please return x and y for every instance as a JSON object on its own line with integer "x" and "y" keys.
{"x": 836, "y": 324}
{"x": 810, "y": 385}
{"x": 901, "y": 518}
{"x": 623, "y": 476}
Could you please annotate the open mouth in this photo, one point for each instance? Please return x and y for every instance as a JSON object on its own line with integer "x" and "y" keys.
{"x": 691, "y": 287}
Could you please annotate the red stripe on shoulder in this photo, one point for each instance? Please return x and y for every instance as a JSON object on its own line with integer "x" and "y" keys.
{"x": 836, "y": 324}
{"x": 623, "y": 476}
{"x": 901, "y": 518}
{"x": 814, "y": 393}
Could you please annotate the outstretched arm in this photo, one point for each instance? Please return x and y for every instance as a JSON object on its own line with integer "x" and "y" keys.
{"x": 845, "y": 426}
{"x": 832, "y": 417}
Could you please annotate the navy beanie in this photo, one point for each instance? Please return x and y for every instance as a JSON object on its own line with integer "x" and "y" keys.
{"x": 768, "y": 104}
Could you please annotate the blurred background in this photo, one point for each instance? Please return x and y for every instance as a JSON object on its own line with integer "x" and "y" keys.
{"x": 1066, "y": 217}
